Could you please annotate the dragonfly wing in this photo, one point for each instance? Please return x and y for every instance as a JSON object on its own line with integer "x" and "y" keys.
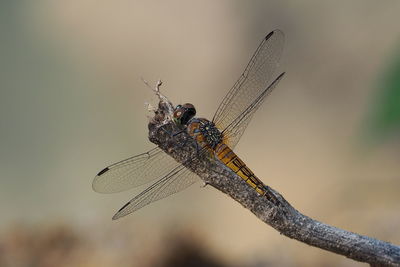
{"x": 253, "y": 81}
{"x": 234, "y": 131}
{"x": 134, "y": 171}
{"x": 176, "y": 180}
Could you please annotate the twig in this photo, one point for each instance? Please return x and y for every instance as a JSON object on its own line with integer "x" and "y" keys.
{"x": 163, "y": 99}
{"x": 280, "y": 215}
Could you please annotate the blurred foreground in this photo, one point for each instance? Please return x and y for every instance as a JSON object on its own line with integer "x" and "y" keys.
{"x": 60, "y": 245}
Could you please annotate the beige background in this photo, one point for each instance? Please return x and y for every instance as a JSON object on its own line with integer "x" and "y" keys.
{"x": 72, "y": 102}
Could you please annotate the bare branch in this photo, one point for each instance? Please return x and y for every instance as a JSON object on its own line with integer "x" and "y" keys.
{"x": 280, "y": 215}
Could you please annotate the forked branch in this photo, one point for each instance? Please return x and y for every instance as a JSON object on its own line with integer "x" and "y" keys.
{"x": 280, "y": 215}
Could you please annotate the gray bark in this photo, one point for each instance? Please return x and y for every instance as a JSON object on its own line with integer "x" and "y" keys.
{"x": 279, "y": 213}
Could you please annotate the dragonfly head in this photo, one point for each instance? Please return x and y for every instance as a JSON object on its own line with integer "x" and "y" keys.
{"x": 183, "y": 113}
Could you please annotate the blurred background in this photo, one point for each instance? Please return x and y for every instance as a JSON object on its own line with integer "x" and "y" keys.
{"x": 72, "y": 102}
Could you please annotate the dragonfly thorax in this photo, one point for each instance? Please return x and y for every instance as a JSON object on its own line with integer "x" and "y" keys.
{"x": 212, "y": 135}
{"x": 205, "y": 132}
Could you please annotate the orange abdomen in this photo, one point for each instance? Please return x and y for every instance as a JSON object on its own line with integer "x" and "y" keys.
{"x": 230, "y": 159}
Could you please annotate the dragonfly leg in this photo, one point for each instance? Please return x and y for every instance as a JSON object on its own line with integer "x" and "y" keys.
{"x": 198, "y": 149}
{"x": 178, "y": 133}
{"x": 271, "y": 196}
{"x": 171, "y": 134}
{"x": 185, "y": 141}
{"x": 204, "y": 184}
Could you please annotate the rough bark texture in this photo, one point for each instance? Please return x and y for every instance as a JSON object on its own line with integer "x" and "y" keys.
{"x": 279, "y": 214}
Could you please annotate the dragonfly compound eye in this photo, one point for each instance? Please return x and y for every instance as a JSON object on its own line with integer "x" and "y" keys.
{"x": 183, "y": 113}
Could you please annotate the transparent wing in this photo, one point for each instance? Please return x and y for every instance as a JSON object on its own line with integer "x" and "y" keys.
{"x": 234, "y": 131}
{"x": 253, "y": 81}
{"x": 176, "y": 180}
{"x": 134, "y": 171}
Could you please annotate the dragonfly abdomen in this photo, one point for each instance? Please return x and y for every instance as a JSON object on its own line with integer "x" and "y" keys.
{"x": 231, "y": 160}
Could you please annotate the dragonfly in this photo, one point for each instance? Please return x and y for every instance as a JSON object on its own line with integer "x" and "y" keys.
{"x": 217, "y": 137}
